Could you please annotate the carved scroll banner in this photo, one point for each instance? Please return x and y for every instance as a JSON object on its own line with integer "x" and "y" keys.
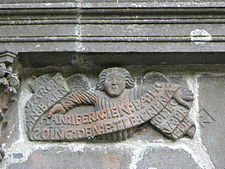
{"x": 69, "y": 109}
{"x": 157, "y": 106}
{"x": 44, "y": 97}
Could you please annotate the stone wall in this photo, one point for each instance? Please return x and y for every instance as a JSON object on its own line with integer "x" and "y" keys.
{"x": 184, "y": 40}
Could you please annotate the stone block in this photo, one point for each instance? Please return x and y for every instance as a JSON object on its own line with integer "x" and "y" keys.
{"x": 165, "y": 158}
{"x": 63, "y": 158}
{"x": 211, "y": 116}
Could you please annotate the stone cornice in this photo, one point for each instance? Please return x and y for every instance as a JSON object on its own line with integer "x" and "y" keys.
{"x": 111, "y": 7}
{"x": 106, "y": 26}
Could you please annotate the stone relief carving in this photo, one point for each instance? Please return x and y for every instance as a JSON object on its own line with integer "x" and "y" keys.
{"x": 8, "y": 83}
{"x": 118, "y": 107}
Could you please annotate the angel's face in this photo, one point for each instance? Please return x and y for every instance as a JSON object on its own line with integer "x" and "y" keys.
{"x": 114, "y": 85}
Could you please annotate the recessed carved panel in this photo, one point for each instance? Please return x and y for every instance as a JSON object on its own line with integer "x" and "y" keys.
{"x": 69, "y": 109}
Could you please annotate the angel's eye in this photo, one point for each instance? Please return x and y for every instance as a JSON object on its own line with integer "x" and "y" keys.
{"x": 109, "y": 80}
{"x": 119, "y": 79}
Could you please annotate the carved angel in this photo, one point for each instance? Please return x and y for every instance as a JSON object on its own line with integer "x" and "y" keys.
{"x": 116, "y": 86}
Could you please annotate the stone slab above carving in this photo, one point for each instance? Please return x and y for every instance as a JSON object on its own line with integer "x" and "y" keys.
{"x": 118, "y": 26}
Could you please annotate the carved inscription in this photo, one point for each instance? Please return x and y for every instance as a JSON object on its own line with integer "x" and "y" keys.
{"x": 118, "y": 108}
{"x": 46, "y": 96}
{"x": 205, "y": 118}
{"x": 110, "y": 120}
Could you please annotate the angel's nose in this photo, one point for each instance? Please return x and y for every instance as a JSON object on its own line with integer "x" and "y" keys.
{"x": 113, "y": 81}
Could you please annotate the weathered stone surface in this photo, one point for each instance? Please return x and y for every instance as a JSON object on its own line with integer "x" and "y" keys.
{"x": 10, "y": 126}
{"x": 105, "y": 158}
{"x": 9, "y": 83}
{"x": 62, "y": 158}
{"x": 161, "y": 158}
{"x": 211, "y": 116}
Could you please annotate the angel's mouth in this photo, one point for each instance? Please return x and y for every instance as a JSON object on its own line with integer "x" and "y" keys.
{"x": 114, "y": 87}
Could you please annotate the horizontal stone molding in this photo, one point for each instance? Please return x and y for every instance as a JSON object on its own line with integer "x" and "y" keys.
{"x": 110, "y": 7}
{"x": 112, "y": 39}
{"x": 87, "y": 26}
{"x": 174, "y": 20}
{"x": 112, "y": 4}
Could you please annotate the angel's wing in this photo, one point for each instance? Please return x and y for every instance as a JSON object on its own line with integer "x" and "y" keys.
{"x": 77, "y": 83}
{"x": 153, "y": 77}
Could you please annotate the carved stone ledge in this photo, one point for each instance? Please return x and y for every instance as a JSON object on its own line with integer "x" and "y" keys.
{"x": 9, "y": 82}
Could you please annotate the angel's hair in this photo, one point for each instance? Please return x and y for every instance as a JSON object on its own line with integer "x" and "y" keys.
{"x": 120, "y": 71}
